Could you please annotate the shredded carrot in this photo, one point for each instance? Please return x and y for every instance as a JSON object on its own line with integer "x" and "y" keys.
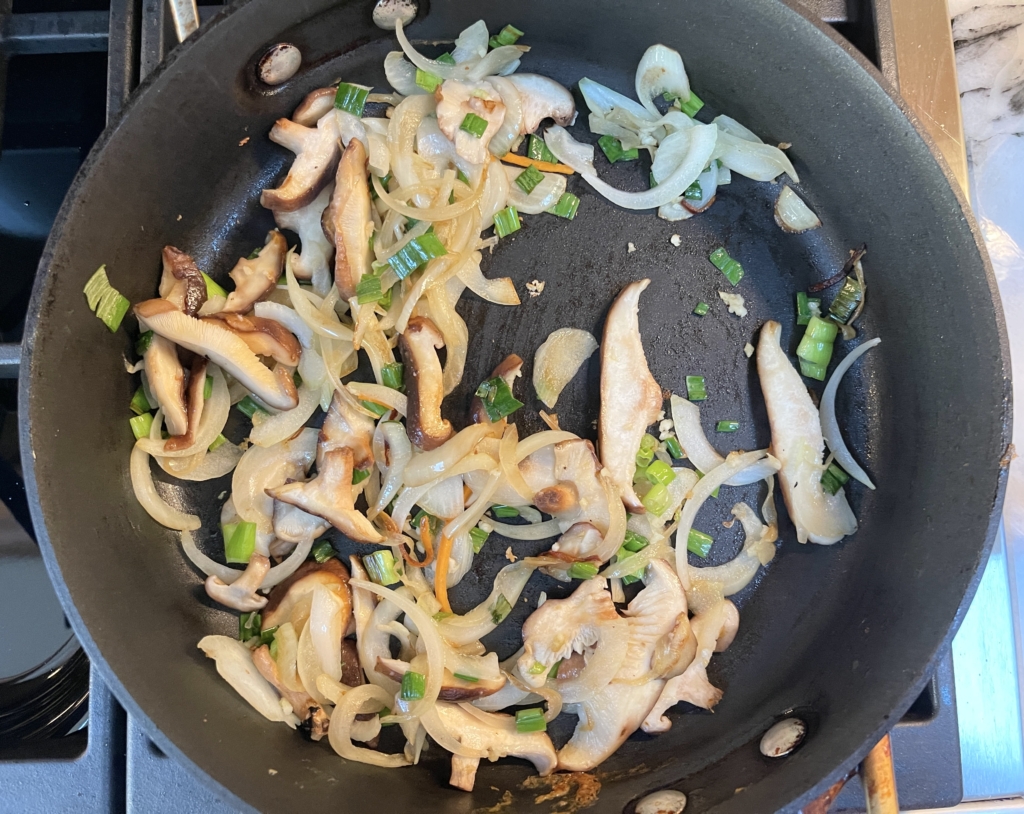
{"x": 428, "y": 547}
{"x": 467, "y": 493}
{"x": 543, "y": 166}
{"x": 444, "y": 550}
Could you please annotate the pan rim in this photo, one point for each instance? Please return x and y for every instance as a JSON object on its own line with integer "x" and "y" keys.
{"x": 33, "y": 323}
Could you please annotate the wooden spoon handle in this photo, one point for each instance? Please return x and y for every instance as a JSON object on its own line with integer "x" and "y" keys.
{"x": 879, "y": 781}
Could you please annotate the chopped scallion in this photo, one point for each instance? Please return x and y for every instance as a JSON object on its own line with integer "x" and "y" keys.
{"x": 446, "y": 59}
{"x": 249, "y": 406}
{"x": 812, "y": 371}
{"x": 249, "y": 625}
{"x": 834, "y": 478}
{"x": 208, "y": 388}
{"x": 323, "y": 551}
{"x": 213, "y": 288}
{"x": 660, "y": 472}
{"x": 143, "y": 342}
{"x": 692, "y": 105}
{"x": 701, "y": 309}
{"x": 474, "y": 125}
{"x": 727, "y": 426}
{"x": 504, "y": 512}
{"x": 464, "y": 677}
{"x": 536, "y": 669}
{"x": 380, "y": 565}
{"x": 374, "y": 407}
{"x": 501, "y": 609}
{"x": 699, "y": 543}
{"x": 427, "y": 81}
{"x": 392, "y": 375}
{"x": 506, "y": 221}
{"x": 817, "y": 344}
{"x": 721, "y": 260}
{"x": 531, "y": 720}
{"x": 269, "y": 636}
{"x": 582, "y": 570}
{"x": 693, "y": 192}
{"x": 434, "y": 522}
{"x": 351, "y": 98}
{"x": 645, "y": 454}
{"x": 673, "y": 448}
{"x": 414, "y": 685}
{"x": 368, "y": 289}
{"x": 803, "y": 308}
{"x": 219, "y": 441}
{"x": 695, "y": 390}
{"x": 140, "y": 404}
{"x": 359, "y": 475}
{"x": 497, "y": 398}
{"x": 538, "y": 150}
{"x": 847, "y": 300}
{"x": 106, "y": 301}
{"x": 141, "y": 425}
{"x": 254, "y": 253}
{"x": 440, "y": 616}
{"x": 635, "y": 542}
{"x": 566, "y": 207}
{"x": 553, "y": 672}
{"x": 242, "y": 543}
{"x": 509, "y": 35}
{"x": 657, "y": 500}
{"x": 528, "y": 179}
{"x": 612, "y": 148}
{"x": 479, "y": 537}
{"x": 415, "y": 253}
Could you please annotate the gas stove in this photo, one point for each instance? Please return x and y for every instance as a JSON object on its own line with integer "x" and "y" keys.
{"x": 66, "y": 68}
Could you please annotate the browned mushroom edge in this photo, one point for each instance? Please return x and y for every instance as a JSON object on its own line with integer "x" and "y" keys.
{"x": 510, "y": 369}
{"x": 557, "y": 499}
{"x": 313, "y": 108}
{"x": 256, "y": 277}
{"x": 196, "y": 386}
{"x": 352, "y": 224}
{"x": 284, "y": 598}
{"x": 424, "y": 384}
{"x": 316, "y": 151}
{"x": 452, "y": 688}
{"x": 265, "y": 337}
{"x": 182, "y": 277}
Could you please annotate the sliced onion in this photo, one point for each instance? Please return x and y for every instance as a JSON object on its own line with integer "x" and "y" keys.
{"x": 734, "y": 128}
{"x": 792, "y": 214}
{"x": 441, "y": 212}
{"x": 211, "y": 568}
{"x": 412, "y": 494}
{"x": 287, "y": 653}
{"x": 708, "y": 181}
{"x": 268, "y": 430}
{"x": 211, "y": 465}
{"x": 829, "y": 423}
{"x": 445, "y": 500}
{"x": 356, "y": 701}
{"x": 616, "y": 532}
{"x": 509, "y": 465}
{"x": 427, "y": 466}
{"x": 757, "y": 161}
{"x": 326, "y": 630}
{"x": 539, "y": 440}
{"x": 235, "y": 666}
{"x": 401, "y": 74}
{"x": 211, "y": 424}
{"x": 261, "y": 468}
{"x": 736, "y": 574}
{"x": 378, "y": 152}
{"x": 471, "y": 516}
{"x": 661, "y": 71}
{"x": 289, "y": 318}
{"x": 570, "y": 152}
{"x": 149, "y": 498}
{"x": 605, "y": 661}
{"x": 308, "y": 666}
{"x": 473, "y": 626}
{"x": 686, "y": 423}
{"x": 303, "y": 302}
{"x": 702, "y": 138}
{"x": 280, "y": 572}
{"x": 471, "y": 43}
{"x": 543, "y": 196}
{"x": 380, "y": 394}
{"x": 735, "y": 463}
{"x": 527, "y": 531}
{"x": 604, "y": 101}
{"x": 500, "y": 291}
{"x": 559, "y": 359}
{"x": 512, "y": 124}
{"x": 428, "y": 637}
{"x": 391, "y": 444}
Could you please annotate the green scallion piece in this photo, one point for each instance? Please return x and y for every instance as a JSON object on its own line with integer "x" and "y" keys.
{"x": 106, "y": 301}
{"x": 249, "y": 625}
{"x": 140, "y": 404}
{"x": 509, "y": 35}
{"x": 501, "y": 609}
{"x": 732, "y": 270}
{"x": 464, "y": 677}
{"x": 141, "y": 425}
{"x": 474, "y": 125}
{"x": 538, "y": 150}
{"x": 567, "y": 207}
{"x": 249, "y": 406}
{"x": 635, "y": 542}
{"x": 380, "y": 565}
{"x": 645, "y": 454}
{"x": 537, "y": 668}
{"x": 528, "y": 179}
{"x": 553, "y": 672}
{"x": 143, "y": 342}
{"x": 254, "y": 253}
{"x": 812, "y": 370}
{"x": 673, "y": 448}
{"x": 727, "y": 426}
{"x": 693, "y": 192}
{"x": 652, "y": 182}
{"x": 531, "y": 720}
{"x": 393, "y": 375}
{"x": 582, "y": 570}
{"x": 657, "y": 500}
{"x": 269, "y": 636}
{"x": 446, "y": 59}
{"x": 375, "y": 408}
{"x": 504, "y": 512}
{"x": 479, "y": 537}
{"x": 834, "y": 478}
{"x": 817, "y": 343}
{"x": 208, "y": 388}
{"x": 506, "y": 221}
{"x": 440, "y": 616}
{"x": 691, "y": 105}
{"x": 695, "y": 390}
{"x": 297, "y": 379}
{"x": 242, "y": 543}
{"x": 323, "y": 551}
{"x": 847, "y": 300}
{"x": 701, "y": 309}
{"x": 699, "y": 543}
{"x": 213, "y": 289}
{"x": 629, "y": 579}
{"x": 428, "y": 81}
{"x": 385, "y": 301}
{"x": 219, "y": 441}
{"x": 660, "y": 472}
{"x": 415, "y": 253}
{"x": 368, "y": 289}
{"x": 701, "y": 475}
{"x": 612, "y": 148}
{"x": 497, "y": 398}
{"x": 434, "y": 523}
{"x": 413, "y": 686}
{"x": 462, "y": 177}
{"x": 803, "y": 308}
{"x": 351, "y": 98}
{"x": 359, "y": 475}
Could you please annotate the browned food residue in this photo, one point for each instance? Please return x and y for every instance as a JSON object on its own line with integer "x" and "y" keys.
{"x": 1008, "y": 456}
{"x": 499, "y": 807}
{"x": 574, "y": 791}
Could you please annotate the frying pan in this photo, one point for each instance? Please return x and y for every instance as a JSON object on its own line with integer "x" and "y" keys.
{"x": 844, "y": 637}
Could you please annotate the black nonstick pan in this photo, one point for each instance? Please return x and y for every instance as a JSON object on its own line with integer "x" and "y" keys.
{"x": 845, "y": 636}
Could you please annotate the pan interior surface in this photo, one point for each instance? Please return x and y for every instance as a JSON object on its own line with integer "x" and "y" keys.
{"x": 843, "y": 635}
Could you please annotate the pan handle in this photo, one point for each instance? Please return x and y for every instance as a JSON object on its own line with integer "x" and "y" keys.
{"x": 186, "y": 17}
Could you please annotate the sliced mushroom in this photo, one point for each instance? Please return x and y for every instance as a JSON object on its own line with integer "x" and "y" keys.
{"x": 182, "y": 282}
{"x": 316, "y": 155}
{"x": 464, "y": 772}
{"x": 292, "y": 525}
{"x": 311, "y": 715}
{"x": 255, "y": 278}
{"x": 577, "y": 463}
{"x": 798, "y": 444}
{"x": 543, "y": 98}
{"x": 290, "y": 601}
{"x": 510, "y": 369}
{"x": 196, "y": 386}
{"x": 558, "y": 499}
{"x": 241, "y": 594}
{"x": 313, "y": 108}
{"x": 215, "y": 341}
{"x": 580, "y": 541}
{"x": 452, "y": 688}
{"x": 314, "y": 260}
{"x": 630, "y": 398}
{"x": 329, "y": 495}
{"x": 424, "y": 384}
{"x": 344, "y": 426}
{"x": 166, "y": 379}
{"x": 457, "y": 99}
{"x": 351, "y": 669}
{"x": 265, "y": 337}
{"x": 351, "y": 221}
{"x": 235, "y": 665}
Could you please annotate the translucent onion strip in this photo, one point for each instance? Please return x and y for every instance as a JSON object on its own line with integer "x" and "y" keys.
{"x": 528, "y": 531}
{"x": 473, "y": 626}
{"x": 427, "y": 466}
{"x": 268, "y": 430}
{"x": 603, "y": 664}
{"x": 509, "y": 464}
{"x": 428, "y": 213}
{"x": 380, "y": 394}
{"x": 149, "y": 498}
{"x": 829, "y": 422}
{"x": 368, "y": 697}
